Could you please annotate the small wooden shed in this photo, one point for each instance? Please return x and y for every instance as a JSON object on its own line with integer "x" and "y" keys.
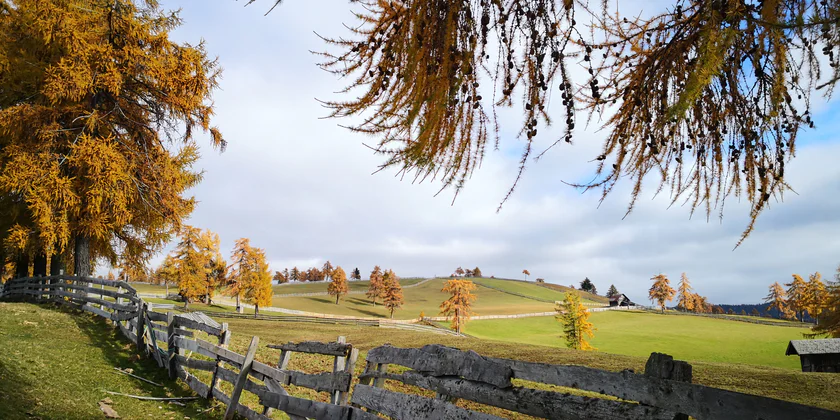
{"x": 621, "y": 300}
{"x": 821, "y": 355}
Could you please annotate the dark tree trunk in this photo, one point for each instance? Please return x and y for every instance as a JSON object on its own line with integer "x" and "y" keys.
{"x": 256, "y": 309}
{"x": 56, "y": 265}
{"x": 22, "y": 265}
{"x": 81, "y": 256}
{"x": 40, "y": 265}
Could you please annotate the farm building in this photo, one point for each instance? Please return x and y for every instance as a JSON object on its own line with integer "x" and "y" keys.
{"x": 621, "y": 300}
{"x": 817, "y": 355}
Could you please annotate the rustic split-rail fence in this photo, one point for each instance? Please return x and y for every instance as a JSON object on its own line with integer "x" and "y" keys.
{"x": 663, "y": 391}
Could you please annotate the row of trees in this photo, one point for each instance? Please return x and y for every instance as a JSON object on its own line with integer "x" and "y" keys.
{"x": 814, "y": 299}
{"x": 199, "y": 269}
{"x": 688, "y": 301}
{"x": 312, "y": 274}
{"x": 460, "y": 272}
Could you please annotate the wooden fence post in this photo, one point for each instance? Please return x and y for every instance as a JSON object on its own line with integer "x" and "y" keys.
{"x": 350, "y": 368}
{"x": 224, "y": 340}
{"x": 242, "y": 379}
{"x": 663, "y": 366}
{"x": 141, "y": 324}
{"x": 172, "y": 361}
{"x": 274, "y": 386}
{"x": 338, "y": 366}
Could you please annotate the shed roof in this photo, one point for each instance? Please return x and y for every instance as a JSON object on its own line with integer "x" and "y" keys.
{"x": 823, "y": 346}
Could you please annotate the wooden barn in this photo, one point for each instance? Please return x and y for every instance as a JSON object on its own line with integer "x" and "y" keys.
{"x": 621, "y": 300}
{"x": 817, "y": 355}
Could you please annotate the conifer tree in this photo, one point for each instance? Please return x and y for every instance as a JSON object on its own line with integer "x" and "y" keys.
{"x": 376, "y": 286}
{"x": 241, "y": 268}
{"x": 526, "y": 273}
{"x": 327, "y": 270}
{"x": 777, "y": 298}
{"x": 197, "y": 256}
{"x": 730, "y": 312}
{"x": 744, "y": 312}
{"x": 459, "y": 304}
{"x": 294, "y": 274}
{"x": 392, "y": 296}
{"x": 755, "y": 313}
{"x": 587, "y": 286}
{"x": 468, "y": 273}
{"x": 829, "y": 324}
{"x": 167, "y": 272}
{"x": 577, "y": 329}
{"x": 357, "y": 275}
{"x": 459, "y": 272}
{"x": 611, "y": 292}
{"x": 280, "y": 278}
{"x": 476, "y": 272}
{"x": 338, "y": 285}
{"x": 258, "y": 290}
{"x": 796, "y": 296}
{"x": 98, "y": 108}
{"x": 815, "y": 296}
{"x": 685, "y": 300}
{"x": 661, "y": 291}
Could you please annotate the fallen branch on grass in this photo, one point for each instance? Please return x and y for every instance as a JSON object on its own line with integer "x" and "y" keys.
{"x": 154, "y": 398}
{"x": 137, "y": 377}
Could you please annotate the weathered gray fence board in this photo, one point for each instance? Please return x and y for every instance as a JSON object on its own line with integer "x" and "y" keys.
{"x": 157, "y": 316}
{"x": 328, "y": 349}
{"x": 182, "y": 321}
{"x": 445, "y": 361}
{"x": 410, "y": 407}
{"x": 538, "y": 403}
{"x": 695, "y": 400}
{"x": 195, "y": 363}
{"x": 106, "y": 292}
{"x": 312, "y": 409}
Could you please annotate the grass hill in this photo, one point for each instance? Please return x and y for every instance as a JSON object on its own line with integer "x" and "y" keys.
{"x": 56, "y": 365}
{"x": 636, "y": 333}
{"x": 544, "y": 291}
{"x": 321, "y": 286}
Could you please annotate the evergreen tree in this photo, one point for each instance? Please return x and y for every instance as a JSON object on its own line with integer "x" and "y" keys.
{"x": 294, "y": 274}
{"x": 376, "y": 285}
{"x": 661, "y": 291}
{"x": 755, "y": 313}
{"x": 338, "y": 285}
{"x": 258, "y": 290}
{"x": 197, "y": 258}
{"x": 240, "y": 270}
{"x": 468, "y": 273}
{"x": 587, "y": 286}
{"x": 829, "y": 324}
{"x": 686, "y": 301}
{"x": 459, "y": 304}
{"x": 611, "y": 292}
{"x": 815, "y": 296}
{"x": 777, "y": 298}
{"x": 327, "y": 269}
{"x": 577, "y": 329}
{"x": 167, "y": 272}
{"x": 357, "y": 275}
{"x": 392, "y": 296}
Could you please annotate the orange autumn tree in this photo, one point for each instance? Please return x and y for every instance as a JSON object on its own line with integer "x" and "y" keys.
{"x": 686, "y": 300}
{"x": 459, "y": 304}
{"x": 376, "y": 284}
{"x": 392, "y": 296}
{"x": 796, "y": 296}
{"x": 661, "y": 291}
{"x": 338, "y": 285}
{"x": 258, "y": 289}
{"x": 240, "y": 270}
{"x": 98, "y": 113}
{"x": 198, "y": 263}
{"x": 577, "y": 329}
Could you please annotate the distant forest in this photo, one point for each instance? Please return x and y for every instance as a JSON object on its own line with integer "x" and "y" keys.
{"x": 762, "y": 310}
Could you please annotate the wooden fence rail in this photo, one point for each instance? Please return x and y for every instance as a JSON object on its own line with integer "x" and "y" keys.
{"x": 664, "y": 391}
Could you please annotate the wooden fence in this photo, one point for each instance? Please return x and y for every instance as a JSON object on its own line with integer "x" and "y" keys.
{"x": 663, "y": 391}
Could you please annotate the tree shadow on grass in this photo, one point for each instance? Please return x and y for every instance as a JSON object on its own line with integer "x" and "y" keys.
{"x": 15, "y": 399}
{"x": 122, "y": 353}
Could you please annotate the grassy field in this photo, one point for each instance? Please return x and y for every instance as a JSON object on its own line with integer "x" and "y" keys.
{"x": 56, "y": 365}
{"x": 321, "y": 286}
{"x": 688, "y": 338}
{"x": 533, "y": 290}
{"x": 426, "y": 298}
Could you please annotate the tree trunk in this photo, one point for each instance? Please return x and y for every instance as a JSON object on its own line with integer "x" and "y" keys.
{"x": 166, "y": 283}
{"x": 56, "y": 265}
{"x": 40, "y": 265}
{"x": 336, "y": 299}
{"x": 256, "y": 310}
{"x": 392, "y": 314}
{"x": 238, "y": 306}
{"x": 457, "y": 322}
{"x": 22, "y": 265}
{"x": 186, "y": 303}
{"x": 81, "y": 256}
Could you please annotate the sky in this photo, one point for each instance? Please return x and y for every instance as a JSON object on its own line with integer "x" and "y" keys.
{"x": 302, "y": 187}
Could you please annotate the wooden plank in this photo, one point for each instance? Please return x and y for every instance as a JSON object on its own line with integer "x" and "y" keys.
{"x": 312, "y": 409}
{"x": 127, "y": 333}
{"x": 97, "y": 311}
{"x": 445, "y": 361}
{"x": 533, "y": 402}
{"x": 404, "y": 406}
{"x": 196, "y": 364}
{"x": 695, "y": 400}
{"x": 243, "y": 377}
{"x": 274, "y": 386}
{"x": 139, "y": 325}
{"x": 315, "y": 347}
{"x": 105, "y": 292}
{"x": 191, "y": 323}
{"x": 224, "y": 339}
{"x": 192, "y": 345}
{"x": 321, "y": 382}
{"x": 338, "y": 365}
{"x": 349, "y": 369}
{"x": 156, "y": 316}
{"x": 172, "y": 345}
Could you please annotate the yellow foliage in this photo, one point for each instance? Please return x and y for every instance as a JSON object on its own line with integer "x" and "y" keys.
{"x": 91, "y": 99}
{"x": 575, "y": 319}
{"x": 392, "y": 296}
{"x": 661, "y": 291}
{"x": 459, "y": 304}
{"x": 686, "y": 300}
{"x": 338, "y": 285}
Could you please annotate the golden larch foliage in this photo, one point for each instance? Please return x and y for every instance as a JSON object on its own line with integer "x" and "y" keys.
{"x": 661, "y": 291}
{"x": 577, "y": 330}
{"x": 376, "y": 285}
{"x": 686, "y": 301}
{"x": 198, "y": 260}
{"x": 392, "y": 296}
{"x": 796, "y": 295}
{"x": 338, "y": 285}
{"x": 459, "y": 304}
{"x": 815, "y": 296}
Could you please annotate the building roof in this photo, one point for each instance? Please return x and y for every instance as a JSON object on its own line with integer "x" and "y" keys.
{"x": 823, "y": 346}
{"x": 620, "y": 296}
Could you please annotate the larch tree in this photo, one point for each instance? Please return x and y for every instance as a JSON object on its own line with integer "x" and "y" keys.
{"x": 685, "y": 300}
{"x": 258, "y": 290}
{"x": 327, "y": 270}
{"x": 98, "y": 113}
{"x": 477, "y": 272}
{"x": 612, "y": 291}
{"x": 706, "y": 99}
{"x": 526, "y": 273}
{"x": 459, "y": 304}
{"x": 240, "y": 270}
{"x": 338, "y": 285}
{"x": 459, "y": 272}
{"x": 197, "y": 259}
{"x": 777, "y": 299}
{"x": 796, "y": 296}
{"x": 280, "y": 278}
{"x": 294, "y": 275}
{"x": 376, "y": 285}
{"x": 577, "y": 330}
{"x": 755, "y": 313}
{"x": 829, "y": 324}
{"x": 392, "y": 296}
{"x": 468, "y": 273}
{"x": 815, "y": 296}
{"x": 167, "y": 272}
{"x": 661, "y": 291}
